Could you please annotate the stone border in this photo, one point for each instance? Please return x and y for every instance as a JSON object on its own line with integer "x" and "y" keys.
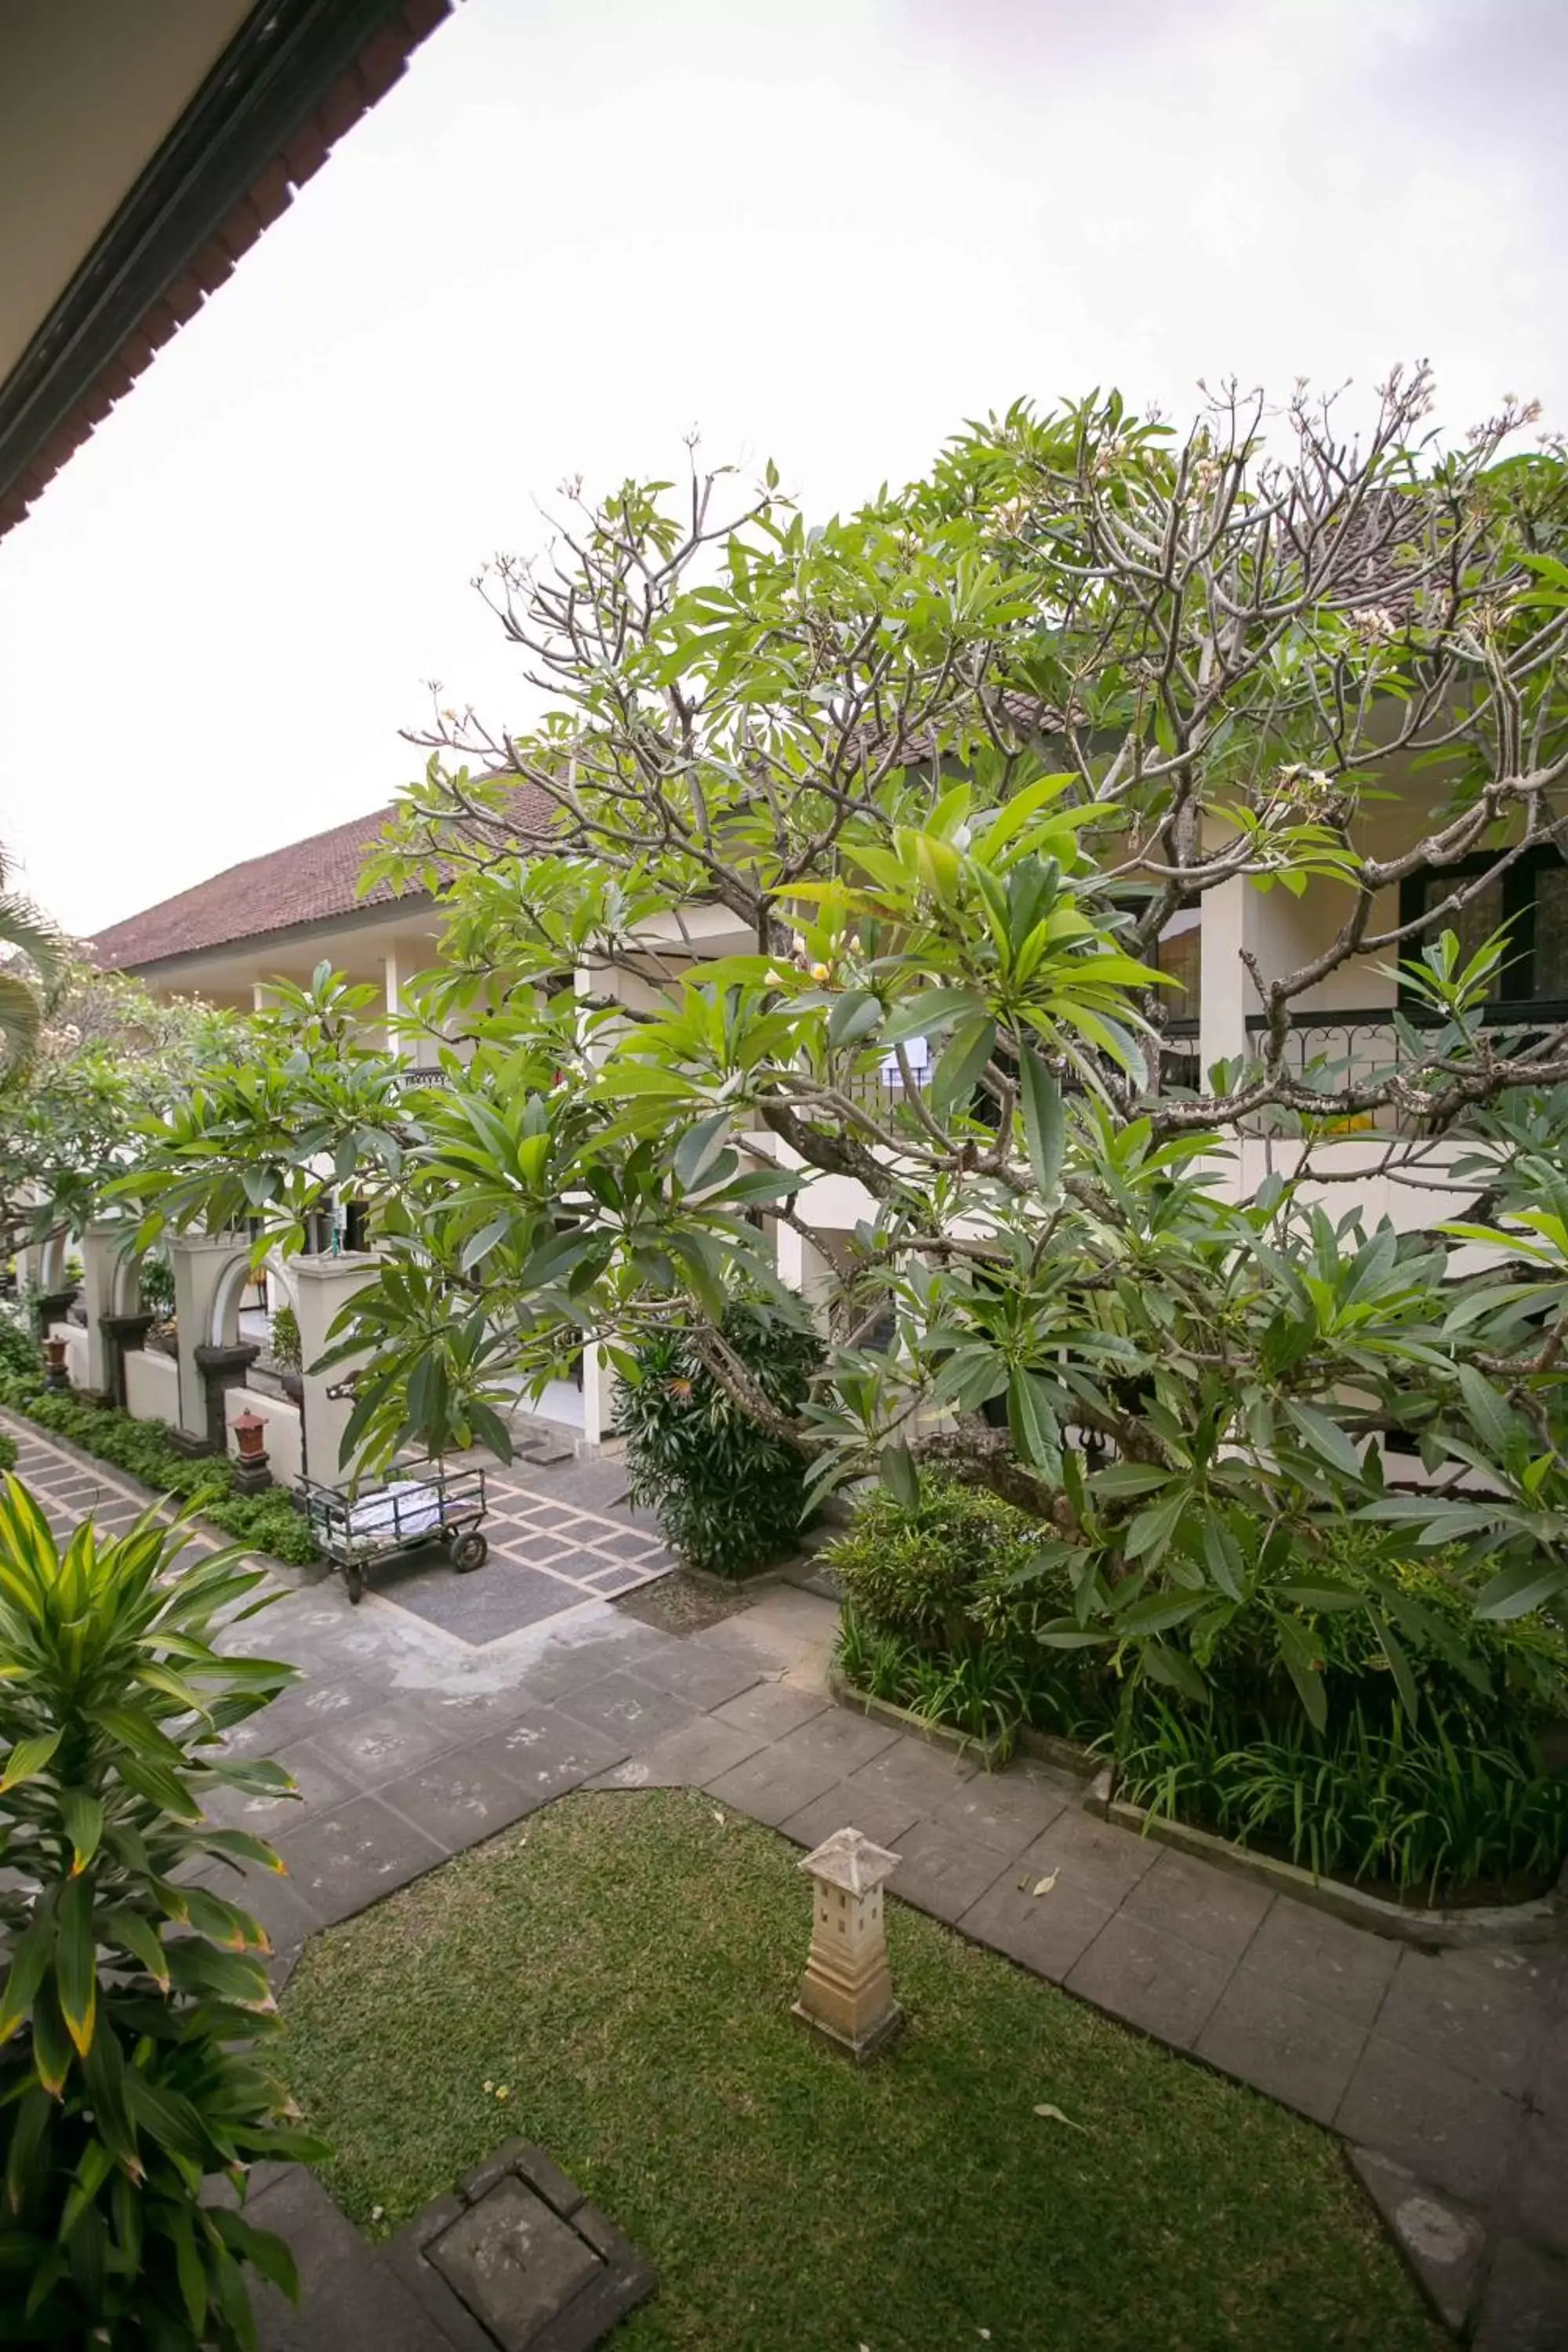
{"x": 993, "y": 1754}
{"x": 1538, "y": 1922}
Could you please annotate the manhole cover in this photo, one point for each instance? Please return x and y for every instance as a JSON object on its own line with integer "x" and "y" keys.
{"x": 528, "y": 2261}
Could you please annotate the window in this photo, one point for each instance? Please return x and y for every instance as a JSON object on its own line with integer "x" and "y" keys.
{"x": 1530, "y": 897}
{"x": 1180, "y": 953}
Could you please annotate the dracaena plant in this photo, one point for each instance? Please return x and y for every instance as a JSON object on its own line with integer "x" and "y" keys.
{"x": 136, "y": 1996}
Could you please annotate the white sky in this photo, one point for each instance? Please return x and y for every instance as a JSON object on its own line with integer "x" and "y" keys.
{"x": 823, "y": 229}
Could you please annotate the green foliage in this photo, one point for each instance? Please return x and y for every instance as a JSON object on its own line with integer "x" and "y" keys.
{"x": 156, "y": 1277}
{"x": 1428, "y": 1808}
{"x": 20, "y": 1356}
{"x": 266, "y": 1522}
{"x": 941, "y": 773}
{"x": 283, "y": 1339}
{"x": 135, "y": 1998}
{"x": 922, "y": 1574}
{"x": 1186, "y": 2214}
{"x": 729, "y": 1497}
{"x": 107, "y": 1055}
{"x": 1427, "y": 1774}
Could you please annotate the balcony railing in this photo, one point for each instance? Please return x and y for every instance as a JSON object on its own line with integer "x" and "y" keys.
{"x": 1356, "y": 1047}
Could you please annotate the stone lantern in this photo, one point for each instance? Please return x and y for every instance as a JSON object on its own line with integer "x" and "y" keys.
{"x": 847, "y": 1994}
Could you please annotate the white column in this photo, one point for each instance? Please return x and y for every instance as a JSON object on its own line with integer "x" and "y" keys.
{"x": 1228, "y": 994}
{"x": 599, "y": 1387}
{"x": 102, "y": 1247}
{"x": 199, "y": 1261}
{"x": 323, "y": 1287}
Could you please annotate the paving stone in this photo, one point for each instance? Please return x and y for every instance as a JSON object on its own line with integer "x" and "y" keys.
{"x": 1524, "y": 2306}
{"x": 883, "y": 1819}
{"x": 771, "y": 1649}
{"x": 567, "y": 1660}
{"x": 1090, "y": 1858}
{"x": 1451, "y": 2130}
{"x": 1211, "y": 1908}
{"x": 1298, "y": 2051}
{"x": 915, "y": 1769}
{"x": 635, "y": 1711}
{"x": 769, "y": 1709}
{"x": 547, "y": 1753}
{"x": 304, "y": 1708}
{"x": 1007, "y": 1811}
{"x": 693, "y": 1675}
{"x": 346, "y": 1860}
{"x": 1323, "y": 1959}
{"x": 381, "y": 1744}
{"x": 1540, "y": 2184}
{"x": 1444, "y": 2243}
{"x": 687, "y": 1757}
{"x": 802, "y": 1766}
{"x": 1150, "y": 1979}
{"x": 940, "y": 1871}
{"x": 350, "y": 2300}
{"x": 320, "y": 1784}
{"x": 1485, "y": 2013}
{"x": 1049, "y": 1933}
{"x": 275, "y": 1903}
{"x": 500, "y": 1599}
{"x": 513, "y": 2262}
{"x": 459, "y": 1799}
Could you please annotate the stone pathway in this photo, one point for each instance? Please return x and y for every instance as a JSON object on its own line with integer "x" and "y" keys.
{"x": 1446, "y": 2071}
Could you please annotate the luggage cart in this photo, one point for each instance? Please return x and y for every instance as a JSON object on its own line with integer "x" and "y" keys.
{"x": 425, "y": 1502}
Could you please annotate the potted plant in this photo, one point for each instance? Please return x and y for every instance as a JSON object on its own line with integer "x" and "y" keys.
{"x": 283, "y": 1346}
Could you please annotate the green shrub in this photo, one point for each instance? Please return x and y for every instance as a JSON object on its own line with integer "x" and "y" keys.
{"x": 283, "y": 1340}
{"x": 1420, "y": 1806}
{"x": 136, "y": 2000}
{"x": 266, "y": 1522}
{"x": 728, "y": 1496}
{"x": 155, "y": 1278}
{"x": 936, "y": 1618}
{"x": 919, "y": 1574}
{"x": 20, "y": 1355}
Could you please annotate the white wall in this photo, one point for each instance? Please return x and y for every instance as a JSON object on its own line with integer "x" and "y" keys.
{"x": 282, "y": 1420}
{"x": 152, "y": 1386}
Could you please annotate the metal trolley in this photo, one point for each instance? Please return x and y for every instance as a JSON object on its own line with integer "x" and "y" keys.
{"x": 424, "y": 1503}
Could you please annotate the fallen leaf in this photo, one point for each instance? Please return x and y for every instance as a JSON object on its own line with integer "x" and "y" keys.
{"x": 1043, "y": 1886}
{"x": 504, "y": 2093}
{"x": 376, "y": 2211}
{"x": 719, "y": 1817}
{"x": 1055, "y": 2115}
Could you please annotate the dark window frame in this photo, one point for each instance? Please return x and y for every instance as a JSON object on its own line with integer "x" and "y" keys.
{"x": 1516, "y": 982}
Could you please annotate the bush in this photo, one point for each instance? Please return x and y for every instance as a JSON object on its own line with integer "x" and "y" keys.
{"x": 1420, "y": 1806}
{"x": 283, "y": 1340}
{"x": 135, "y": 1999}
{"x": 919, "y": 1574}
{"x": 937, "y": 1619}
{"x": 266, "y": 1522}
{"x": 728, "y": 1496}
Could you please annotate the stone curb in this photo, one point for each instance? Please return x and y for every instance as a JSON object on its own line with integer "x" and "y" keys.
{"x": 1538, "y": 1922}
{"x": 993, "y": 1754}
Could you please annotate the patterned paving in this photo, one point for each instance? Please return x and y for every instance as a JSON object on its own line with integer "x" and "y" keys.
{"x": 547, "y": 1555}
{"x": 549, "y": 1551}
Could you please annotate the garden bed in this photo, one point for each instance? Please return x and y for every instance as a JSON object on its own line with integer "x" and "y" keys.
{"x": 265, "y": 1523}
{"x": 1536, "y": 1920}
{"x": 621, "y": 1968}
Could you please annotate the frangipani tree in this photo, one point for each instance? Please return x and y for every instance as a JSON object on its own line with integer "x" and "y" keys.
{"x": 935, "y": 778}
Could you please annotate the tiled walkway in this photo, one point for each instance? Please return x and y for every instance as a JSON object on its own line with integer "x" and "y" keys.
{"x": 1446, "y": 2073}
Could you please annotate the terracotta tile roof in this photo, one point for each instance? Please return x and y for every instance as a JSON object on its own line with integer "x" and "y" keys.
{"x": 304, "y": 883}
{"x": 307, "y": 881}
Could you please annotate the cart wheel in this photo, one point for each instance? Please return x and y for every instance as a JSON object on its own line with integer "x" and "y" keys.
{"x": 469, "y": 1550}
{"x": 353, "y": 1577}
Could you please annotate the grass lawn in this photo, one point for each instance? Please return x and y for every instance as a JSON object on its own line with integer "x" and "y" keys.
{"x": 622, "y": 1966}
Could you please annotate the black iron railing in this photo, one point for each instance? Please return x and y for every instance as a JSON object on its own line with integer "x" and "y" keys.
{"x": 1360, "y": 1044}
